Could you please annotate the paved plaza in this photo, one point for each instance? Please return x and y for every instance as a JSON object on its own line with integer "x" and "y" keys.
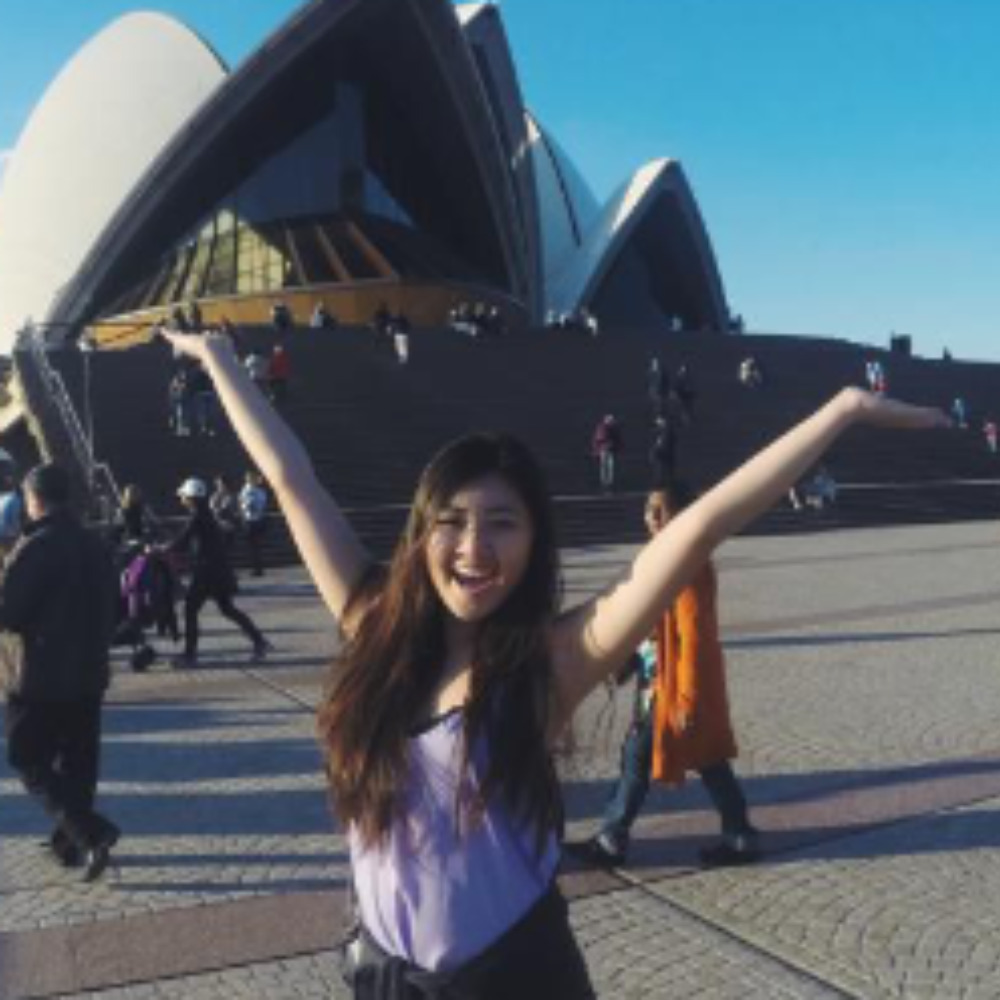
{"x": 864, "y": 670}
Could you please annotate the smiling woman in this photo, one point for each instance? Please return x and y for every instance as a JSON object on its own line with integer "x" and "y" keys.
{"x": 459, "y": 670}
{"x": 460, "y": 617}
{"x": 479, "y": 547}
{"x": 460, "y": 623}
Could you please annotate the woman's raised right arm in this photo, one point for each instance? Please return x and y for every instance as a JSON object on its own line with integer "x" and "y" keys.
{"x": 331, "y": 551}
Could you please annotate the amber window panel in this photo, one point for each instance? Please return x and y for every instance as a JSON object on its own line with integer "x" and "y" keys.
{"x": 371, "y": 252}
{"x": 358, "y": 266}
{"x": 331, "y": 254}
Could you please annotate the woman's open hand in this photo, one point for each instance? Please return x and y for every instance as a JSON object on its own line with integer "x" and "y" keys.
{"x": 880, "y": 411}
{"x": 200, "y": 346}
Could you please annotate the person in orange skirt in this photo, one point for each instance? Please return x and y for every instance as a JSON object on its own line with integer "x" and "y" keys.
{"x": 682, "y": 721}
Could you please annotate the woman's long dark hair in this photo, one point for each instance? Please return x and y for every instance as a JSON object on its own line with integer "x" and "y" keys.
{"x": 395, "y": 651}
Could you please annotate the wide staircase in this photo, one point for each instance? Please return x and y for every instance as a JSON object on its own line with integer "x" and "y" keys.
{"x": 370, "y": 424}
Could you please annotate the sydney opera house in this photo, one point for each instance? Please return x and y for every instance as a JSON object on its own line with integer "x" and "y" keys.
{"x": 370, "y": 151}
{"x": 381, "y": 153}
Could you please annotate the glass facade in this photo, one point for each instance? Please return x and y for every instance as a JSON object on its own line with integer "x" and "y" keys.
{"x": 343, "y": 201}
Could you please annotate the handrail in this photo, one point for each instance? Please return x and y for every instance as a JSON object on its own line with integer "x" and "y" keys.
{"x": 98, "y": 474}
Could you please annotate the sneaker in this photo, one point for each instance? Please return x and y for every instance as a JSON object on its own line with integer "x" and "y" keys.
{"x": 599, "y": 851}
{"x": 63, "y": 849}
{"x": 260, "y": 651}
{"x": 98, "y": 857}
{"x": 96, "y": 861}
{"x": 141, "y": 659}
{"x": 733, "y": 849}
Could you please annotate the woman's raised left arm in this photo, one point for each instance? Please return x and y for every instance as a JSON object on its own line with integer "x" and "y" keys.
{"x": 595, "y": 638}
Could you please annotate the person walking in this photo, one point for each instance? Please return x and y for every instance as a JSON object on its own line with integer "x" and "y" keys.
{"x": 225, "y": 505}
{"x": 681, "y": 721}
{"x": 606, "y": 443}
{"x": 657, "y": 387}
{"x": 181, "y": 402}
{"x": 58, "y": 603}
{"x": 211, "y": 574}
{"x": 133, "y": 521}
{"x": 401, "y": 337}
{"x": 258, "y": 366}
{"x": 990, "y": 434}
{"x": 253, "y": 513}
{"x": 457, "y": 676}
{"x": 204, "y": 403}
{"x": 11, "y": 513}
{"x": 683, "y": 394}
{"x": 279, "y": 373}
{"x": 959, "y": 412}
{"x": 663, "y": 451}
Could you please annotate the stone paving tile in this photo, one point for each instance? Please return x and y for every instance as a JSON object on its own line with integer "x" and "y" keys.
{"x": 216, "y": 777}
{"x": 905, "y": 911}
{"x": 639, "y": 946}
{"x": 868, "y": 702}
{"x": 311, "y": 977}
{"x": 636, "y": 945}
{"x": 814, "y": 706}
{"x": 168, "y": 873}
{"x": 218, "y": 799}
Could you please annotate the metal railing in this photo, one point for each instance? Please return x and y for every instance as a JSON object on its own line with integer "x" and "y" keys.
{"x": 104, "y": 494}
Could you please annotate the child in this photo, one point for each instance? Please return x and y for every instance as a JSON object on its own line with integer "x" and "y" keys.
{"x": 459, "y": 673}
{"x": 682, "y": 716}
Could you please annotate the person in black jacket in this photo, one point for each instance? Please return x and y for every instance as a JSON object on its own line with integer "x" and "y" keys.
{"x": 57, "y": 612}
{"x": 203, "y": 540}
{"x": 133, "y": 519}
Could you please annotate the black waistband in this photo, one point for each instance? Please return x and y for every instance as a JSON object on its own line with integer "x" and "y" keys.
{"x": 536, "y": 957}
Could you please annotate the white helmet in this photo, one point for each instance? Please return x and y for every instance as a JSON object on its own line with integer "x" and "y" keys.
{"x": 193, "y": 489}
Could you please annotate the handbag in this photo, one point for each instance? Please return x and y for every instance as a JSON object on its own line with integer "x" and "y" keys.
{"x": 370, "y": 972}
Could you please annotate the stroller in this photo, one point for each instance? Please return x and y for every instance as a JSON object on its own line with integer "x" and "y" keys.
{"x": 147, "y": 600}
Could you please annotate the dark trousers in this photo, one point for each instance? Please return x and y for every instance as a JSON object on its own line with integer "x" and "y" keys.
{"x": 198, "y": 593}
{"x": 633, "y": 785}
{"x": 55, "y": 748}
{"x": 166, "y": 622}
{"x": 255, "y": 537}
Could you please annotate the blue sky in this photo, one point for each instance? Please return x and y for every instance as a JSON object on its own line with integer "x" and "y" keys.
{"x": 844, "y": 152}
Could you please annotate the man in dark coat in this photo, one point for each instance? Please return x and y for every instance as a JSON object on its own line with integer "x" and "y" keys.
{"x": 57, "y": 612}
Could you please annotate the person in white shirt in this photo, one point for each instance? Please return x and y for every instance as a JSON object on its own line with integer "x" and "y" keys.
{"x": 253, "y": 512}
